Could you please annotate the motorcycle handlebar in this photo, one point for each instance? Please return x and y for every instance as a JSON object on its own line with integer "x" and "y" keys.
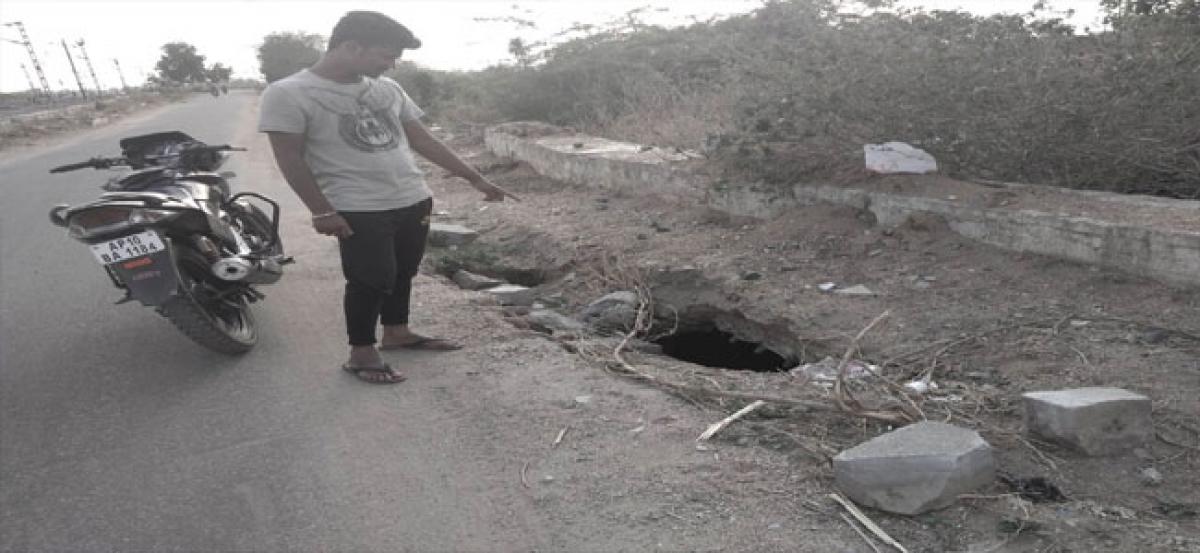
{"x": 104, "y": 163}
{"x": 76, "y": 166}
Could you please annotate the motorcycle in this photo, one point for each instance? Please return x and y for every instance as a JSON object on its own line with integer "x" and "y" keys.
{"x": 170, "y": 235}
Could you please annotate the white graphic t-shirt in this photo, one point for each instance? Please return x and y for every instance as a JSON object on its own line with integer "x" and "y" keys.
{"x": 354, "y": 141}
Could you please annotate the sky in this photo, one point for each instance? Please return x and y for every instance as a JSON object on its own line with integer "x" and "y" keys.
{"x": 457, "y": 34}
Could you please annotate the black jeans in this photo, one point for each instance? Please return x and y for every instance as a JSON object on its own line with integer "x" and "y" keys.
{"x": 379, "y": 261}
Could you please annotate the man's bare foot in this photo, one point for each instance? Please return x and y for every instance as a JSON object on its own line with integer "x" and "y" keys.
{"x": 366, "y": 364}
{"x": 421, "y": 343}
{"x": 400, "y": 337}
{"x": 383, "y": 374}
{"x": 364, "y": 356}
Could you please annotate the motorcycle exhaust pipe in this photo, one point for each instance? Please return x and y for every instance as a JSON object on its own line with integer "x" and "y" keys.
{"x": 240, "y": 269}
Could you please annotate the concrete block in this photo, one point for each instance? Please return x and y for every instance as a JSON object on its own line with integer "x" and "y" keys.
{"x": 898, "y": 157}
{"x": 511, "y": 294}
{"x": 915, "y": 469}
{"x": 471, "y": 281}
{"x": 1096, "y": 421}
{"x": 442, "y": 235}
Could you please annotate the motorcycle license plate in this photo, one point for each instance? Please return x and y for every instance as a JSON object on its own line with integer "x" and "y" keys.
{"x": 127, "y": 247}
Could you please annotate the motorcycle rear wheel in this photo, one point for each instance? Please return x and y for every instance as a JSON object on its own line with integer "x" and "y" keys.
{"x": 215, "y": 324}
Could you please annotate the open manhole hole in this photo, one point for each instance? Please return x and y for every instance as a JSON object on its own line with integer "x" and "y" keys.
{"x": 712, "y": 347}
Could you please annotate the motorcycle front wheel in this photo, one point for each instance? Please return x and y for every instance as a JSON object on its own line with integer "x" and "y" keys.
{"x": 222, "y": 324}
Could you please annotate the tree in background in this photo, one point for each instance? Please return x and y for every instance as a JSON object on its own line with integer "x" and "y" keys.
{"x": 520, "y": 51}
{"x": 282, "y": 54}
{"x": 418, "y": 82}
{"x": 181, "y": 64}
{"x": 1188, "y": 10}
{"x": 218, "y": 73}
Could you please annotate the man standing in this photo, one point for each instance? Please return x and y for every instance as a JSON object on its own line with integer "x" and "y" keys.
{"x": 342, "y": 134}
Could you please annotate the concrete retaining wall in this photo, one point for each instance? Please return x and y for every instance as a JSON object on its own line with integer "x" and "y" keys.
{"x": 619, "y": 167}
{"x": 1169, "y": 255}
{"x": 1172, "y": 256}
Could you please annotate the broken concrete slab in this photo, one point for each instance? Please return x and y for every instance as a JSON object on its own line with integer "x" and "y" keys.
{"x": 622, "y": 297}
{"x": 511, "y": 294}
{"x": 471, "y": 281}
{"x": 1096, "y": 421}
{"x": 615, "y": 311}
{"x": 442, "y": 235}
{"x": 915, "y": 469}
{"x": 554, "y": 320}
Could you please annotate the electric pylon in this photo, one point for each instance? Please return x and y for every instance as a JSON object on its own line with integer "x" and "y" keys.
{"x": 37, "y": 66}
{"x": 88, "y": 61}
{"x": 120, "y": 74}
{"x": 32, "y": 87}
{"x": 71, "y": 60}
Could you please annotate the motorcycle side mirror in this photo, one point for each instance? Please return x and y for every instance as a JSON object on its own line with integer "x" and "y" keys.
{"x": 58, "y": 215}
{"x": 228, "y": 174}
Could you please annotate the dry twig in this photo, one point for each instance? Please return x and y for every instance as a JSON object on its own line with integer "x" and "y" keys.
{"x": 719, "y": 426}
{"x": 868, "y": 523}
{"x": 847, "y": 403}
{"x": 860, "y": 533}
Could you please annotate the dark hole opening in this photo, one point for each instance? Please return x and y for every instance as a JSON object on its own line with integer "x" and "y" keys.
{"x": 713, "y": 348}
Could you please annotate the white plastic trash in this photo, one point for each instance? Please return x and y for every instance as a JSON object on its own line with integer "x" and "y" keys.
{"x": 898, "y": 157}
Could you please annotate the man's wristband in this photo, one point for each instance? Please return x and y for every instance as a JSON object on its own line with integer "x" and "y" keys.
{"x": 324, "y": 215}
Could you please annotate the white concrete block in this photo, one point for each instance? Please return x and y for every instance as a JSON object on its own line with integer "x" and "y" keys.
{"x": 918, "y": 468}
{"x": 1096, "y": 421}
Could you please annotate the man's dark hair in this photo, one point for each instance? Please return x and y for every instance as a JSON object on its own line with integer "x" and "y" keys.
{"x": 372, "y": 29}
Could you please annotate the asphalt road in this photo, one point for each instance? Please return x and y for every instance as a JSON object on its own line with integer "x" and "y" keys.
{"x": 117, "y": 433}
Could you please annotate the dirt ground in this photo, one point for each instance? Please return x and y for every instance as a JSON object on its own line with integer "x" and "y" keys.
{"x": 610, "y": 463}
{"x": 985, "y": 324}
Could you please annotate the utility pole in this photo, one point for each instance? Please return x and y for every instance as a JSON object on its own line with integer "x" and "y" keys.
{"x": 71, "y": 60}
{"x": 37, "y": 66}
{"x": 88, "y": 61}
{"x": 120, "y": 74}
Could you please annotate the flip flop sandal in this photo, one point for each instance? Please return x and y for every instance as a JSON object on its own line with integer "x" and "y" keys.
{"x": 375, "y": 375}
{"x": 425, "y": 344}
